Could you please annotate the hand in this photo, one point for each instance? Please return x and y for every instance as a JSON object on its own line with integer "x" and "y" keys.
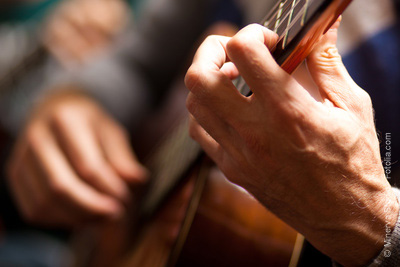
{"x": 81, "y": 28}
{"x": 72, "y": 164}
{"x": 313, "y": 161}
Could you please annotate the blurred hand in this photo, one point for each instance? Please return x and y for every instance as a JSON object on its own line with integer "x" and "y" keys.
{"x": 72, "y": 164}
{"x": 314, "y": 162}
{"x": 81, "y": 28}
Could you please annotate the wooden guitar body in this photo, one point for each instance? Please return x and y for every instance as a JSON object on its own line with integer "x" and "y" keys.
{"x": 236, "y": 228}
{"x": 222, "y": 226}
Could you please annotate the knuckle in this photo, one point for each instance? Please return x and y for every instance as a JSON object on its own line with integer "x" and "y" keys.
{"x": 238, "y": 46}
{"x": 330, "y": 55}
{"x": 214, "y": 39}
{"x": 363, "y": 103}
{"x": 195, "y": 79}
{"x": 365, "y": 98}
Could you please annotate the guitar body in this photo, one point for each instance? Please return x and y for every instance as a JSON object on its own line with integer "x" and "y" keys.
{"x": 212, "y": 222}
{"x": 231, "y": 228}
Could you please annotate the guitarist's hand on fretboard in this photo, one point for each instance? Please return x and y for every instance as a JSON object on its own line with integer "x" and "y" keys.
{"x": 315, "y": 164}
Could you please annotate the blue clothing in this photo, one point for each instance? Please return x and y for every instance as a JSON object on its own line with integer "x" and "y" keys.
{"x": 375, "y": 66}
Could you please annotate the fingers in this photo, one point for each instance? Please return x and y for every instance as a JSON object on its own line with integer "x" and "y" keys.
{"x": 230, "y": 70}
{"x": 79, "y": 140}
{"x": 224, "y": 158}
{"x": 117, "y": 150}
{"x": 221, "y": 131}
{"x": 47, "y": 189}
{"x": 210, "y": 146}
{"x": 36, "y": 198}
{"x": 73, "y": 159}
{"x": 63, "y": 182}
{"x": 210, "y": 86}
{"x": 250, "y": 51}
{"x": 209, "y": 77}
{"x": 330, "y": 75}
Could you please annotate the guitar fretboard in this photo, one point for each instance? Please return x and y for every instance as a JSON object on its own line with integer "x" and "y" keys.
{"x": 290, "y": 20}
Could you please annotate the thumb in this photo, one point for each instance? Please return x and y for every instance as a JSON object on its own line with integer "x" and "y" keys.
{"x": 329, "y": 74}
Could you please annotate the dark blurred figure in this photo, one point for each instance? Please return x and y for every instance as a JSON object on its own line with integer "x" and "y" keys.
{"x": 33, "y": 36}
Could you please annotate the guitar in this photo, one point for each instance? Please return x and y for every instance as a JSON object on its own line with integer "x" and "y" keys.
{"x": 191, "y": 215}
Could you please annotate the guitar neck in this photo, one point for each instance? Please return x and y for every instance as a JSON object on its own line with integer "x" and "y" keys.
{"x": 299, "y": 24}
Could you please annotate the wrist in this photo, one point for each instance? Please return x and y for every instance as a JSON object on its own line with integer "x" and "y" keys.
{"x": 357, "y": 240}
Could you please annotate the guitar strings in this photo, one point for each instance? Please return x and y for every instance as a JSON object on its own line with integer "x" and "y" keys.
{"x": 286, "y": 15}
{"x": 295, "y": 20}
{"x": 268, "y": 19}
{"x": 241, "y": 84}
{"x": 274, "y": 12}
{"x": 303, "y": 8}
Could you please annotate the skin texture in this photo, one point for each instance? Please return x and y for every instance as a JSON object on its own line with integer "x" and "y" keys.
{"x": 72, "y": 164}
{"x": 311, "y": 158}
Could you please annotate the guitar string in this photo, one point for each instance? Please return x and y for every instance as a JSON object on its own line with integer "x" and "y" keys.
{"x": 303, "y": 19}
{"x": 271, "y": 13}
{"x": 287, "y": 14}
{"x": 269, "y": 19}
{"x": 241, "y": 84}
{"x": 298, "y": 16}
{"x": 303, "y": 11}
{"x": 274, "y": 12}
{"x": 289, "y": 21}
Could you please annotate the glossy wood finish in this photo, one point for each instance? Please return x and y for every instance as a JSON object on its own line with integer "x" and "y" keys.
{"x": 231, "y": 228}
{"x": 314, "y": 34}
